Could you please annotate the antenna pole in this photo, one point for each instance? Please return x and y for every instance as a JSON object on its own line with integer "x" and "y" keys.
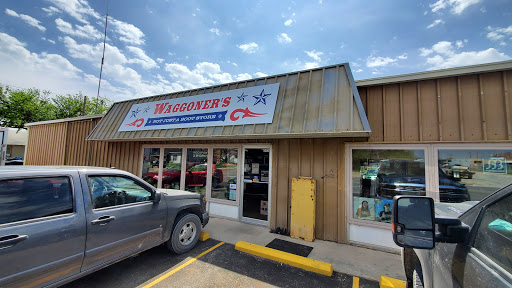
{"x": 102, "y": 60}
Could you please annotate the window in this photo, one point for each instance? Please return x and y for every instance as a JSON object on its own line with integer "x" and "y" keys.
{"x": 150, "y": 165}
{"x": 494, "y": 235}
{"x": 107, "y": 191}
{"x": 171, "y": 176}
{"x": 380, "y": 174}
{"x": 224, "y": 176}
{"x": 472, "y": 174}
{"x": 30, "y": 198}
{"x": 197, "y": 170}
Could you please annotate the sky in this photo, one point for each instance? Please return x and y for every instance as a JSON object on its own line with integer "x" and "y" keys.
{"x": 161, "y": 46}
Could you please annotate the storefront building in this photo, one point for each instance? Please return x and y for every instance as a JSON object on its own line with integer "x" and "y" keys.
{"x": 445, "y": 134}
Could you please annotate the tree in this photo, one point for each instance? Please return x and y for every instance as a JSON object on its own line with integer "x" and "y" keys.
{"x": 72, "y": 105}
{"x": 18, "y": 107}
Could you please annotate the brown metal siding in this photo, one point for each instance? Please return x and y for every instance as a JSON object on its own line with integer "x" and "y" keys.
{"x": 46, "y": 144}
{"x": 451, "y": 109}
{"x": 323, "y": 160}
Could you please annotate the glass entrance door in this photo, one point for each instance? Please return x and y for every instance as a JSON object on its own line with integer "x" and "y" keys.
{"x": 256, "y": 184}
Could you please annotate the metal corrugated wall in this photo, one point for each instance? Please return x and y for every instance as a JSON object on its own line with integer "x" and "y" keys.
{"x": 323, "y": 160}
{"x": 46, "y": 144}
{"x": 452, "y": 109}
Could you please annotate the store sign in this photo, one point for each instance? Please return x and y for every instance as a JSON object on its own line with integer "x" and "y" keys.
{"x": 251, "y": 105}
{"x": 495, "y": 165}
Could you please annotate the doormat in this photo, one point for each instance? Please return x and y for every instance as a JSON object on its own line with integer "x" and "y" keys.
{"x": 290, "y": 247}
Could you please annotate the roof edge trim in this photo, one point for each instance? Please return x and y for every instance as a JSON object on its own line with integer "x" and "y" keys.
{"x": 488, "y": 67}
{"x": 80, "y": 118}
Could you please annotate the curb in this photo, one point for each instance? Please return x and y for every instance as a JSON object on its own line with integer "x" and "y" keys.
{"x": 287, "y": 258}
{"x": 387, "y": 282}
{"x": 204, "y": 236}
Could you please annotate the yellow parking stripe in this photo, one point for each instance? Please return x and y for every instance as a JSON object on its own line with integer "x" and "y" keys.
{"x": 182, "y": 266}
{"x": 355, "y": 282}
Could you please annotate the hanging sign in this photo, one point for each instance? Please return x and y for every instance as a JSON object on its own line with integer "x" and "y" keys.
{"x": 252, "y": 105}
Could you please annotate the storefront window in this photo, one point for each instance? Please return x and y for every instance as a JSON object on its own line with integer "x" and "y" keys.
{"x": 197, "y": 168}
{"x": 379, "y": 175}
{"x": 171, "y": 176}
{"x": 150, "y": 164}
{"x": 471, "y": 175}
{"x": 224, "y": 176}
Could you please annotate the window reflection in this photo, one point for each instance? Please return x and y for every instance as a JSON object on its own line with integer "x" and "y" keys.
{"x": 150, "y": 164}
{"x": 171, "y": 175}
{"x": 379, "y": 175}
{"x": 473, "y": 174}
{"x": 196, "y": 173}
{"x": 224, "y": 177}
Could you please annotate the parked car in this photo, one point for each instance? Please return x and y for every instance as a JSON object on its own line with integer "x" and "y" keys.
{"x": 14, "y": 161}
{"x": 458, "y": 171}
{"x": 60, "y": 223}
{"x": 471, "y": 247}
{"x": 449, "y": 189}
{"x": 195, "y": 176}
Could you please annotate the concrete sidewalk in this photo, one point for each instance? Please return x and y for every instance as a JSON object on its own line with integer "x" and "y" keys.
{"x": 347, "y": 259}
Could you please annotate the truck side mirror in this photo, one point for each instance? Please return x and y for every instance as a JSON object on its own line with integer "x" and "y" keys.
{"x": 413, "y": 222}
{"x": 157, "y": 196}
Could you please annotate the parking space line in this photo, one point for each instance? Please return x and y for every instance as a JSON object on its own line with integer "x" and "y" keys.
{"x": 160, "y": 279}
{"x": 355, "y": 282}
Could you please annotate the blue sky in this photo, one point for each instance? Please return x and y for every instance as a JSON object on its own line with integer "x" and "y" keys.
{"x": 156, "y": 46}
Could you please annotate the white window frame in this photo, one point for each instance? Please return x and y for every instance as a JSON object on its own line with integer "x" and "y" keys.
{"x": 348, "y": 176}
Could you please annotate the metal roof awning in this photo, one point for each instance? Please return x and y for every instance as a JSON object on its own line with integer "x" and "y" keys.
{"x": 321, "y": 102}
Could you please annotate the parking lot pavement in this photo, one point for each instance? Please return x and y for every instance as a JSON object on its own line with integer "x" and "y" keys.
{"x": 221, "y": 267}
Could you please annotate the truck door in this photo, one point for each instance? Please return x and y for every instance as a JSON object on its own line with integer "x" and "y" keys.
{"x": 42, "y": 229}
{"x": 122, "y": 218}
{"x": 486, "y": 260}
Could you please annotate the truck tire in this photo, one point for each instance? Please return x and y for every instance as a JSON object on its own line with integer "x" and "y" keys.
{"x": 185, "y": 234}
{"x": 417, "y": 278}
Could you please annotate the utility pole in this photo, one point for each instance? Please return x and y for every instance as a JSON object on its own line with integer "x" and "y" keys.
{"x": 102, "y": 61}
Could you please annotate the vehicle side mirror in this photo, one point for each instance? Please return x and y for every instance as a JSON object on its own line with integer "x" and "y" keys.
{"x": 157, "y": 196}
{"x": 413, "y": 222}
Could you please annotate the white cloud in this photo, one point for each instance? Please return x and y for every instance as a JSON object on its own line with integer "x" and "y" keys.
{"x": 215, "y": 30}
{"x": 499, "y": 34}
{"x": 288, "y": 22}
{"x": 159, "y": 60}
{"x": 311, "y": 65}
{"x": 86, "y": 31}
{"x": 403, "y": 56}
{"x": 460, "y": 43}
{"x": 27, "y": 19}
{"x": 51, "y": 10}
{"x": 435, "y": 23}
{"x": 457, "y": 6}
{"x": 260, "y": 74}
{"x": 249, "y": 48}
{"x": 141, "y": 58}
{"x": 78, "y": 9}
{"x": 315, "y": 55}
{"x": 373, "y": 61}
{"x": 284, "y": 38}
{"x": 443, "y": 55}
{"x": 359, "y": 70}
{"x": 243, "y": 76}
{"x": 128, "y": 32}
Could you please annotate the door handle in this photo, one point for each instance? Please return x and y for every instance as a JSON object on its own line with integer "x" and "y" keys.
{"x": 11, "y": 240}
{"x": 103, "y": 220}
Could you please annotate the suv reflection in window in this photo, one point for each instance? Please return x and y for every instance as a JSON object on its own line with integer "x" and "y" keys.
{"x": 407, "y": 181}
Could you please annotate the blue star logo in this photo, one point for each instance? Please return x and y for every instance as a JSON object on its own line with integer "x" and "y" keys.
{"x": 262, "y": 97}
{"x": 135, "y": 112}
{"x": 147, "y": 109}
{"x": 241, "y": 97}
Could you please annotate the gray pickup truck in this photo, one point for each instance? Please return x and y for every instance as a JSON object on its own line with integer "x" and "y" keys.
{"x": 60, "y": 223}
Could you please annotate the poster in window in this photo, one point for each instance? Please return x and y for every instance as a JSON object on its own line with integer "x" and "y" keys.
{"x": 383, "y": 210}
{"x": 364, "y": 208}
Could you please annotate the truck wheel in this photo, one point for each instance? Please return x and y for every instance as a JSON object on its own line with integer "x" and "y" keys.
{"x": 185, "y": 234}
{"x": 417, "y": 278}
